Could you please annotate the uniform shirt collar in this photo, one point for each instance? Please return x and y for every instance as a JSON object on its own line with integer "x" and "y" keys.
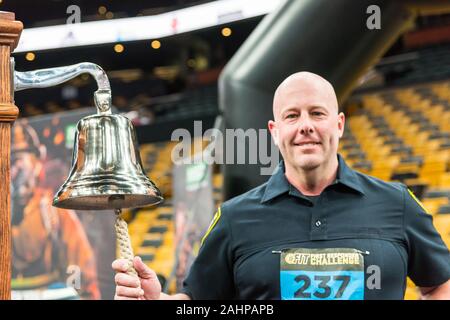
{"x": 278, "y": 183}
{"x": 348, "y": 176}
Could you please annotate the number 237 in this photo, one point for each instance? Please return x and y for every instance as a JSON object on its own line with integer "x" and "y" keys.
{"x": 326, "y": 289}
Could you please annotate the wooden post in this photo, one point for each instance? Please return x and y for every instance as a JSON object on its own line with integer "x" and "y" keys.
{"x": 9, "y": 37}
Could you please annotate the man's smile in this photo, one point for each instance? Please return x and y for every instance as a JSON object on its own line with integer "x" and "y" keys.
{"x": 307, "y": 143}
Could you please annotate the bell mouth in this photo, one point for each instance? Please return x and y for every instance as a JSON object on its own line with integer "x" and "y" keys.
{"x": 106, "y": 201}
{"x": 107, "y": 171}
{"x": 107, "y": 191}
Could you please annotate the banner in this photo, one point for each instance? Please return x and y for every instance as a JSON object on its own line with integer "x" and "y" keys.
{"x": 56, "y": 253}
{"x": 194, "y": 208}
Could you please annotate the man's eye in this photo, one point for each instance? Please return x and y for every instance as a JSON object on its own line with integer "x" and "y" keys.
{"x": 317, "y": 113}
{"x": 291, "y": 116}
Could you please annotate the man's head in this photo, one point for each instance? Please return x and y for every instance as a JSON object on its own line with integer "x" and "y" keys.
{"x": 307, "y": 124}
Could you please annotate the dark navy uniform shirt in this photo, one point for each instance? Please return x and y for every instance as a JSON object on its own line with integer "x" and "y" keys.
{"x": 238, "y": 258}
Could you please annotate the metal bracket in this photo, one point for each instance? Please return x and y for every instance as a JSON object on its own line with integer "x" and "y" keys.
{"x": 50, "y": 77}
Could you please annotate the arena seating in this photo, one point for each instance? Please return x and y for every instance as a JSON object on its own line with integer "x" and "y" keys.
{"x": 403, "y": 135}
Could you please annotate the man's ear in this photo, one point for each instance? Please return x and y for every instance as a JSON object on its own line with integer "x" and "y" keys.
{"x": 273, "y": 131}
{"x": 341, "y": 124}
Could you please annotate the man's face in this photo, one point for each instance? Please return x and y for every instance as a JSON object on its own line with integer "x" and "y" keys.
{"x": 307, "y": 125}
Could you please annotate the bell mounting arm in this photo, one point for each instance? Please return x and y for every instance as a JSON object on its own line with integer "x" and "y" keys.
{"x": 50, "y": 77}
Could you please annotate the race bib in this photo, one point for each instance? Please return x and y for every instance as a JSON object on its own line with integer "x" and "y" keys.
{"x": 322, "y": 274}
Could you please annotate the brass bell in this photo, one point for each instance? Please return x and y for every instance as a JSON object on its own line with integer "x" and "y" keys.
{"x": 107, "y": 171}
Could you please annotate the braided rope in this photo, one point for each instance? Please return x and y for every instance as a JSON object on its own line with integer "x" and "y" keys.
{"x": 123, "y": 240}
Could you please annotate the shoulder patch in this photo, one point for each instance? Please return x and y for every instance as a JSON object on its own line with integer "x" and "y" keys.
{"x": 211, "y": 225}
{"x": 417, "y": 200}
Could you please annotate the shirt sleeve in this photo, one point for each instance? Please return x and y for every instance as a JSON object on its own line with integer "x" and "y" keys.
{"x": 428, "y": 256}
{"x": 211, "y": 274}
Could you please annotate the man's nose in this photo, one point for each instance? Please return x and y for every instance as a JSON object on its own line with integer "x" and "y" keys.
{"x": 306, "y": 126}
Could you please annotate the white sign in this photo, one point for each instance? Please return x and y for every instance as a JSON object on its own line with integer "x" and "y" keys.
{"x": 143, "y": 28}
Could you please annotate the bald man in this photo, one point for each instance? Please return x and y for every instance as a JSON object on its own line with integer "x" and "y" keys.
{"x": 316, "y": 230}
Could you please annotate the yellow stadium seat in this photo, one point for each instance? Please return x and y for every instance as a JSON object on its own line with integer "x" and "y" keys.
{"x": 442, "y": 225}
{"x": 444, "y": 180}
{"x": 433, "y": 204}
{"x": 431, "y": 179}
{"x": 145, "y": 250}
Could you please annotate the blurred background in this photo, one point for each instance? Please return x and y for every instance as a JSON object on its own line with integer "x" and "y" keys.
{"x": 166, "y": 76}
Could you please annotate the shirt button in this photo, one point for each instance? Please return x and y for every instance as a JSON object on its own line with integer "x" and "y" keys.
{"x": 318, "y": 223}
